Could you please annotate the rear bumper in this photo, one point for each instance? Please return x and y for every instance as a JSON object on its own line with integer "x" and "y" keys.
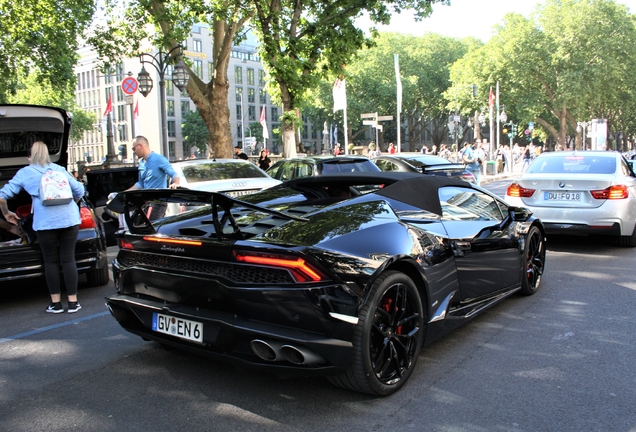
{"x": 581, "y": 229}
{"x": 228, "y": 337}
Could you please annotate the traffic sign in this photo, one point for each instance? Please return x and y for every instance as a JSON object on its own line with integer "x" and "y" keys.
{"x": 129, "y": 85}
{"x": 369, "y": 115}
{"x": 370, "y": 122}
{"x": 381, "y": 118}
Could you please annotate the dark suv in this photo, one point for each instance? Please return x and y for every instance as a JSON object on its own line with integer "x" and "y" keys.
{"x": 20, "y": 127}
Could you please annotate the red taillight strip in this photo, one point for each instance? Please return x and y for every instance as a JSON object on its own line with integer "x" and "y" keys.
{"x": 514, "y": 190}
{"x": 173, "y": 241}
{"x": 612, "y": 192}
{"x": 300, "y": 269}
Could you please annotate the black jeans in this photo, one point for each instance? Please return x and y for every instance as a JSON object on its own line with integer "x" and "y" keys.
{"x": 58, "y": 248}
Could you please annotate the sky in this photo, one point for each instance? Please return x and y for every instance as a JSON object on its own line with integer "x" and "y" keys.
{"x": 467, "y": 17}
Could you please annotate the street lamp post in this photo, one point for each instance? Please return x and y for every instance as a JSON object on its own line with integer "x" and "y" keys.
{"x": 180, "y": 77}
{"x": 581, "y": 127}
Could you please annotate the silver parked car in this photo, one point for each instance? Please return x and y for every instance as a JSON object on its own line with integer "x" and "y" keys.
{"x": 580, "y": 192}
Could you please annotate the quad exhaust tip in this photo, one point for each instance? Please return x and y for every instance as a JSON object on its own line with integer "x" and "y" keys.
{"x": 276, "y": 351}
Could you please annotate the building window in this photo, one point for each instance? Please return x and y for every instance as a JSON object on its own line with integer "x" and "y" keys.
{"x": 169, "y": 88}
{"x": 239, "y": 94}
{"x": 171, "y": 147}
{"x": 275, "y": 114}
{"x": 250, "y": 76}
{"x": 120, "y": 94}
{"x": 239, "y": 131}
{"x": 238, "y": 75}
{"x": 170, "y": 108}
{"x": 185, "y": 108}
{"x": 251, "y": 95}
{"x": 172, "y": 130}
{"x": 262, "y": 96}
{"x": 198, "y": 68}
{"x": 261, "y": 77}
{"x": 239, "y": 112}
{"x": 251, "y": 111}
{"x": 210, "y": 71}
{"x": 121, "y": 113}
{"x": 120, "y": 71}
{"x": 198, "y": 46}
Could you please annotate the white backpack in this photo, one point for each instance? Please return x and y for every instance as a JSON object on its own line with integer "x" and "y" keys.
{"x": 54, "y": 188}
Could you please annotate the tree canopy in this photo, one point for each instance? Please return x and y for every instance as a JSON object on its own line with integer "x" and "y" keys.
{"x": 571, "y": 61}
{"x": 41, "y": 38}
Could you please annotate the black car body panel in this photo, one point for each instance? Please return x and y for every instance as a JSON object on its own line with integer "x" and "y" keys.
{"x": 290, "y": 169}
{"x": 20, "y": 127}
{"x": 423, "y": 163}
{"x": 294, "y": 268}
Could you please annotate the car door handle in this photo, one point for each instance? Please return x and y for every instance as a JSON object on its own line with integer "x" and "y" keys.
{"x": 462, "y": 245}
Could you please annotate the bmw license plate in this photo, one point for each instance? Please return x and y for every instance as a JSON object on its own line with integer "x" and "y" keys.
{"x": 185, "y": 329}
{"x": 562, "y": 196}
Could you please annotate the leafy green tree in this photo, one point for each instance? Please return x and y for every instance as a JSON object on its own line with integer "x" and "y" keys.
{"x": 124, "y": 29}
{"x": 30, "y": 90}
{"x": 573, "y": 60}
{"x": 304, "y": 41}
{"x": 425, "y": 63}
{"x": 195, "y": 132}
{"x": 41, "y": 38}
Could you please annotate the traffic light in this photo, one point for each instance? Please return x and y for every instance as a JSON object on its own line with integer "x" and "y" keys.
{"x": 123, "y": 152}
{"x": 505, "y": 128}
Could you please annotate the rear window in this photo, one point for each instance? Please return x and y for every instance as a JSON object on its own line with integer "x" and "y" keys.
{"x": 16, "y": 137}
{"x": 220, "y": 171}
{"x": 427, "y": 161}
{"x": 343, "y": 166}
{"x": 574, "y": 164}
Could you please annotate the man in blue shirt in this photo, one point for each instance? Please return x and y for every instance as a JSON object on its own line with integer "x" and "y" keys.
{"x": 154, "y": 171}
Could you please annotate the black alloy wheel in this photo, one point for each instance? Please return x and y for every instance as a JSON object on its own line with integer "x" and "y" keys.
{"x": 388, "y": 337}
{"x": 534, "y": 261}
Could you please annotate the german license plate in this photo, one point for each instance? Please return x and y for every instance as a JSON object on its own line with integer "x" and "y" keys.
{"x": 562, "y": 196}
{"x": 185, "y": 329}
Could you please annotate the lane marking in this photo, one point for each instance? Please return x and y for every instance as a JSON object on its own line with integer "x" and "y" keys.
{"x": 52, "y": 327}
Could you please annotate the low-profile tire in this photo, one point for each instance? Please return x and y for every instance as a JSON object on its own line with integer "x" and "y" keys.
{"x": 533, "y": 261}
{"x": 628, "y": 240}
{"x": 97, "y": 277}
{"x": 387, "y": 338}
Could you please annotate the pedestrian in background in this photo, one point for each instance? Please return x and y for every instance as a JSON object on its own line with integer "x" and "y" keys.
{"x": 472, "y": 163}
{"x": 374, "y": 151}
{"x": 391, "y": 149}
{"x": 238, "y": 153}
{"x": 56, "y": 226}
{"x": 264, "y": 161}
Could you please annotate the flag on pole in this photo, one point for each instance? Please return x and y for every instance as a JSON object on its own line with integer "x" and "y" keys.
{"x": 491, "y": 98}
{"x": 399, "y": 83}
{"x": 339, "y": 95}
{"x": 109, "y": 105}
{"x": 136, "y": 118}
{"x": 264, "y": 124}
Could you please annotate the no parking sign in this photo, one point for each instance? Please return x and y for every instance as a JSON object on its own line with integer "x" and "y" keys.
{"x": 129, "y": 85}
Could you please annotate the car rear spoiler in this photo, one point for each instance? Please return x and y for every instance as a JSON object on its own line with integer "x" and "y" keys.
{"x": 133, "y": 205}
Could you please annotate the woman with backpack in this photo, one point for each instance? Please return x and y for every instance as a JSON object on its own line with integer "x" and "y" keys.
{"x": 56, "y": 225}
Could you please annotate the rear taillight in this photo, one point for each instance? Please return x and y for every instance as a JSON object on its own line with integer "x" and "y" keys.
{"x": 300, "y": 270}
{"x": 514, "y": 190}
{"x": 612, "y": 192}
{"x": 124, "y": 244}
{"x": 468, "y": 177}
{"x": 87, "y": 218}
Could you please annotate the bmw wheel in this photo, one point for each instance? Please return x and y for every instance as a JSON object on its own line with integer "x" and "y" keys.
{"x": 534, "y": 261}
{"x": 388, "y": 337}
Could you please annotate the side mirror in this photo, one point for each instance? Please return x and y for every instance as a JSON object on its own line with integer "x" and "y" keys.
{"x": 519, "y": 214}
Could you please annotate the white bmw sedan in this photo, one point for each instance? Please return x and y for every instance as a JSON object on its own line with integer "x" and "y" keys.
{"x": 580, "y": 192}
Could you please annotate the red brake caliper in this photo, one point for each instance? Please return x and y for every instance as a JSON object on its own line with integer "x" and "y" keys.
{"x": 387, "y": 307}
